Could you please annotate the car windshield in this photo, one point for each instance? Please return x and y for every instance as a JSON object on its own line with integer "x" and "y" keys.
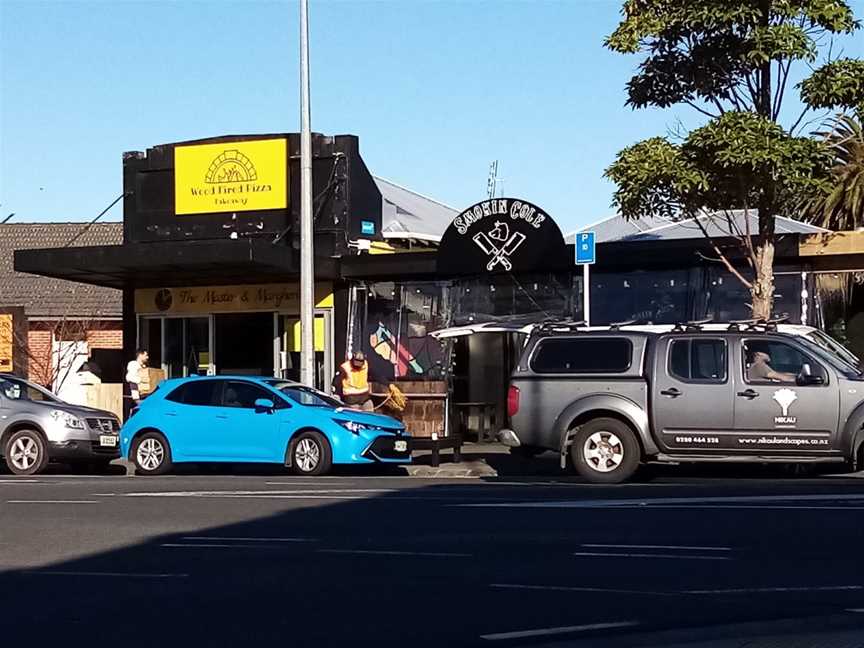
{"x": 304, "y": 395}
{"x": 838, "y": 363}
{"x": 826, "y": 341}
{"x": 21, "y": 390}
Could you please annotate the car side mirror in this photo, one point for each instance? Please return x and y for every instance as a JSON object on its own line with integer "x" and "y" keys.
{"x": 264, "y": 405}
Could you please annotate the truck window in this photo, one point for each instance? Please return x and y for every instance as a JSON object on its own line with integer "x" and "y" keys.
{"x": 698, "y": 360}
{"x": 587, "y": 355}
{"x": 772, "y": 361}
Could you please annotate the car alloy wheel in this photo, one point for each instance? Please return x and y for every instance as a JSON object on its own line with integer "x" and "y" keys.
{"x": 603, "y": 451}
{"x": 150, "y": 453}
{"x": 307, "y": 455}
{"x": 24, "y": 453}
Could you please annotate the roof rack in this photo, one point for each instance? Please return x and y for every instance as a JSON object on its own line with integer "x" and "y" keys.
{"x": 692, "y": 325}
{"x": 758, "y": 324}
{"x": 614, "y": 326}
{"x": 557, "y": 325}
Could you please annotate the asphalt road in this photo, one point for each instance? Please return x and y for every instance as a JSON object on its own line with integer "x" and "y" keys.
{"x": 362, "y": 560}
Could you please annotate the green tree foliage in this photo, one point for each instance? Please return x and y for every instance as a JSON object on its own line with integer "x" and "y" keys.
{"x": 840, "y": 205}
{"x": 730, "y": 60}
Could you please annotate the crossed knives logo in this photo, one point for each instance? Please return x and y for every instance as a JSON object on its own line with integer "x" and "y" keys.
{"x": 498, "y": 244}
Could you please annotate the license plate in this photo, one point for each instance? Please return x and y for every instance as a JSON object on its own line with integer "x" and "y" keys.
{"x": 400, "y": 446}
{"x": 108, "y": 440}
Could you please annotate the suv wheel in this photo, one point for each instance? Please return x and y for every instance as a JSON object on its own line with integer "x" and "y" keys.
{"x": 605, "y": 451}
{"x": 26, "y": 452}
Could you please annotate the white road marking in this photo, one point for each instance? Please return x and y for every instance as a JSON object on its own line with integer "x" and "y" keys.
{"x": 565, "y": 588}
{"x": 102, "y": 574}
{"x": 208, "y": 545}
{"x": 599, "y": 554}
{"x": 224, "y": 538}
{"x": 374, "y": 552}
{"x": 524, "y": 634}
{"x": 767, "y": 590}
{"x": 665, "y": 501}
{"x": 20, "y": 481}
{"x": 52, "y": 501}
{"x": 256, "y": 492}
{"x": 629, "y": 546}
{"x": 858, "y": 610}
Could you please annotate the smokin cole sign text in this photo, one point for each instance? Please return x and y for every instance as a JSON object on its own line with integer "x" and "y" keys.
{"x": 502, "y": 235}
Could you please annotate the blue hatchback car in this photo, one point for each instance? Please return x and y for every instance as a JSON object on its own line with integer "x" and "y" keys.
{"x": 257, "y": 420}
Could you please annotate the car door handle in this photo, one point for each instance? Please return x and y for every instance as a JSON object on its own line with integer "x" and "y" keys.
{"x": 749, "y": 393}
{"x": 170, "y": 413}
{"x": 672, "y": 392}
{"x": 221, "y": 416}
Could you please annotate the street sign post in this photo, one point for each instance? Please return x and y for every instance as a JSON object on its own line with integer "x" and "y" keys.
{"x": 586, "y": 254}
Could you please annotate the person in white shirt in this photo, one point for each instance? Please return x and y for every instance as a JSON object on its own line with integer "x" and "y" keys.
{"x": 133, "y": 373}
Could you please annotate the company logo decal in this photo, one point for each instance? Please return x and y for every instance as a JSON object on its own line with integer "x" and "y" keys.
{"x": 231, "y": 166}
{"x": 498, "y": 244}
{"x": 784, "y": 398}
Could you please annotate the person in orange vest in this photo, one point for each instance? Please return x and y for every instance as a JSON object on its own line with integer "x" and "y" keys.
{"x": 354, "y": 384}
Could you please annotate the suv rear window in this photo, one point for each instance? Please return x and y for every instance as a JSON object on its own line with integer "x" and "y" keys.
{"x": 582, "y": 355}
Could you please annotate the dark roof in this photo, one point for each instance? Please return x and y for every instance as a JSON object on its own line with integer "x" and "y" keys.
{"x": 46, "y": 297}
{"x": 616, "y": 228}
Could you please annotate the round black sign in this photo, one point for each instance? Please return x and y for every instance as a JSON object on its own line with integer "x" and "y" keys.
{"x": 502, "y": 235}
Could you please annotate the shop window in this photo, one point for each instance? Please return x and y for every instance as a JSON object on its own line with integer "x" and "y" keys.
{"x": 582, "y": 355}
{"x": 657, "y": 296}
{"x": 395, "y": 321}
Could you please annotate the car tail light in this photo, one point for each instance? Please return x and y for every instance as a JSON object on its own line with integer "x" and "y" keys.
{"x": 512, "y": 400}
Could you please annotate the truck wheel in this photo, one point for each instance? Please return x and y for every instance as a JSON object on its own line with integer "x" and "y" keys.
{"x": 605, "y": 451}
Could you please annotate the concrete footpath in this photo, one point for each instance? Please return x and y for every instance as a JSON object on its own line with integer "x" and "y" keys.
{"x": 483, "y": 460}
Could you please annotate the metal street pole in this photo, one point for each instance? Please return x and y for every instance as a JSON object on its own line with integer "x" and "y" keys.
{"x": 307, "y": 267}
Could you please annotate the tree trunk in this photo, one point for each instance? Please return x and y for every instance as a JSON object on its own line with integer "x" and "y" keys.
{"x": 762, "y": 291}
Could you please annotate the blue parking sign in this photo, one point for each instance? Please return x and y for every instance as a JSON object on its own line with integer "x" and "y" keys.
{"x": 586, "y": 251}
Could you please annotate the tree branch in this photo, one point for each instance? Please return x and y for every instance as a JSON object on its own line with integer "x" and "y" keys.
{"x": 704, "y": 112}
{"x": 721, "y": 256}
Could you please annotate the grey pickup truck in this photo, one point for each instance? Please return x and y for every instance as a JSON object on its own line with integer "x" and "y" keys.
{"x": 613, "y": 399}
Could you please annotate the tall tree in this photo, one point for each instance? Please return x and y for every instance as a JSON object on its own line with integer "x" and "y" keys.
{"x": 841, "y": 206}
{"x": 731, "y": 61}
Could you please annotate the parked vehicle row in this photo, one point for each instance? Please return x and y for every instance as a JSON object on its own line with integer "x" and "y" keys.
{"x": 197, "y": 419}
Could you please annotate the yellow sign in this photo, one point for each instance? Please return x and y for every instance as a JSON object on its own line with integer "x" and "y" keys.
{"x": 292, "y": 334}
{"x": 6, "y": 343}
{"x": 199, "y": 300}
{"x": 231, "y": 176}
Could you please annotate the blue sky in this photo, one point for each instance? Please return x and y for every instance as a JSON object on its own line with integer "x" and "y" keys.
{"x": 434, "y": 90}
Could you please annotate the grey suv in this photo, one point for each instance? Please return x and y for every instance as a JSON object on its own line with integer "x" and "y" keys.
{"x": 37, "y": 427}
{"x": 612, "y": 399}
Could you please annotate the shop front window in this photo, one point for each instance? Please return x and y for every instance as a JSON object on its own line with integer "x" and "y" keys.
{"x": 391, "y": 323}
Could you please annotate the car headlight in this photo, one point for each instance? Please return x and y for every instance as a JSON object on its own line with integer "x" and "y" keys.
{"x": 352, "y": 426}
{"x": 67, "y": 419}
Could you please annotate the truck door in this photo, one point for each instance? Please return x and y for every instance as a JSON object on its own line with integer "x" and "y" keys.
{"x": 785, "y": 400}
{"x": 692, "y": 393}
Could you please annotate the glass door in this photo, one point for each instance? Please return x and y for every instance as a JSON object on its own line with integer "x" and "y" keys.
{"x": 182, "y": 346}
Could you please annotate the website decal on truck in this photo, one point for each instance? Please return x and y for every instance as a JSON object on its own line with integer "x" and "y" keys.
{"x": 752, "y": 441}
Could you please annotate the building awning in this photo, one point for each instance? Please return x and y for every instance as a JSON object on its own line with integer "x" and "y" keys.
{"x": 164, "y": 263}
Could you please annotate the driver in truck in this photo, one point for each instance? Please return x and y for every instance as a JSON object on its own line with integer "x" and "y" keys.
{"x": 760, "y": 370}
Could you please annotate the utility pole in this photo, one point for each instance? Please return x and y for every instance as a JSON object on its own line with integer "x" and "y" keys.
{"x": 492, "y": 180}
{"x": 307, "y": 266}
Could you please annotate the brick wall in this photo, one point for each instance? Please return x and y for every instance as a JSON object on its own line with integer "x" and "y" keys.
{"x": 108, "y": 335}
{"x": 100, "y": 335}
{"x": 39, "y": 352}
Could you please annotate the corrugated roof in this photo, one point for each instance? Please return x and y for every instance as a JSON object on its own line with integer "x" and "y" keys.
{"x": 616, "y": 228}
{"x": 45, "y": 297}
{"x": 410, "y": 212}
